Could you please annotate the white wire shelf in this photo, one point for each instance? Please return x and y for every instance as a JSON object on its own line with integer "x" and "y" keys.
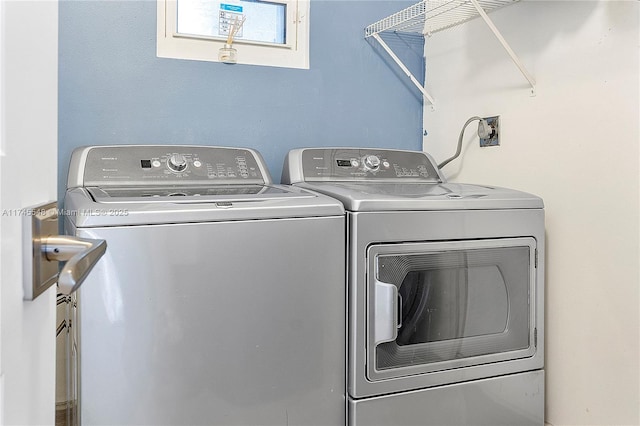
{"x": 431, "y": 16}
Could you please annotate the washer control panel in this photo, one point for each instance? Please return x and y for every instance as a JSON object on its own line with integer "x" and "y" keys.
{"x": 168, "y": 165}
{"x": 336, "y": 164}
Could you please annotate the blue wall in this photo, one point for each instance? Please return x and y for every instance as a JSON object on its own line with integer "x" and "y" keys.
{"x": 114, "y": 90}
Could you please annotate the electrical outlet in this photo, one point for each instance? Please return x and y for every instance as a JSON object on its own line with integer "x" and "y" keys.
{"x": 494, "y": 137}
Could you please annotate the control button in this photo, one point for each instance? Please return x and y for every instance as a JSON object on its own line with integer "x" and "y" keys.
{"x": 371, "y": 162}
{"x": 386, "y": 164}
{"x": 156, "y": 163}
{"x": 177, "y": 163}
{"x": 197, "y": 164}
{"x": 355, "y": 163}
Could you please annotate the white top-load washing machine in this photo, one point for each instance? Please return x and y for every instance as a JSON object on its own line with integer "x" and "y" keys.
{"x": 220, "y": 300}
{"x": 445, "y": 290}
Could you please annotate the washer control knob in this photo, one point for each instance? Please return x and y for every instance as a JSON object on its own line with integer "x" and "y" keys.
{"x": 177, "y": 162}
{"x": 371, "y": 162}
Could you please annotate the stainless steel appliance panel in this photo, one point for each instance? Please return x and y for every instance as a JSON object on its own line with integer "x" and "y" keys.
{"x": 404, "y": 229}
{"x": 445, "y": 290}
{"x": 214, "y": 323}
{"x": 514, "y": 400}
{"x": 359, "y": 164}
{"x": 148, "y": 165}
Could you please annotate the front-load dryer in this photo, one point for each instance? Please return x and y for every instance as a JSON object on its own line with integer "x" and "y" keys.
{"x": 445, "y": 290}
{"x": 220, "y": 300}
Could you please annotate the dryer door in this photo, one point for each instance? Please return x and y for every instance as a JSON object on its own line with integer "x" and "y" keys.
{"x": 446, "y": 305}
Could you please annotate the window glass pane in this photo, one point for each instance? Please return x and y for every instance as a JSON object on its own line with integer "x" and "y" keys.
{"x": 264, "y": 21}
{"x": 457, "y": 304}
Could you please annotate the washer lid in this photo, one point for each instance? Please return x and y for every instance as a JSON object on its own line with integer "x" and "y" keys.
{"x": 83, "y": 209}
{"x": 188, "y": 194}
{"x": 362, "y": 196}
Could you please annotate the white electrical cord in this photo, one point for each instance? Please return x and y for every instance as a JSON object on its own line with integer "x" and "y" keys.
{"x": 484, "y": 131}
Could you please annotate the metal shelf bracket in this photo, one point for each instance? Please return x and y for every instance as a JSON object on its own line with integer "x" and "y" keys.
{"x": 505, "y": 45}
{"x": 402, "y": 66}
{"x": 430, "y": 16}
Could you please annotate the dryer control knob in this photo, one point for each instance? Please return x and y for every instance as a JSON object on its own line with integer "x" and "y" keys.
{"x": 177, "y": 163}
{"x": 371, "y": 162}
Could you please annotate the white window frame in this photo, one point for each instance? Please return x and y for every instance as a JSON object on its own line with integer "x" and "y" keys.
{"x": 293, "y": 54}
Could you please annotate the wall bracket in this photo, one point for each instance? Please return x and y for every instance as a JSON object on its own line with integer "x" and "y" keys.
{"x": 430, "y": 16}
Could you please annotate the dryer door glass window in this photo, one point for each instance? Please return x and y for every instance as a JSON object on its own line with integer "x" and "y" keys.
{"x": 439, "y": 306}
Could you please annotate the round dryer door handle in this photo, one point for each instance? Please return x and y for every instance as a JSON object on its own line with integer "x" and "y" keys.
{"x": 79, "y": 254}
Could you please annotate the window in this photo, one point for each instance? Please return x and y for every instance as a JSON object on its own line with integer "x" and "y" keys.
{"x": 273, "y": 32}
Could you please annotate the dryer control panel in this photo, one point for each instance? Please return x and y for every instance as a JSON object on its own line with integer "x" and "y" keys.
{"x": 166, "y": 165}
{"x": 374, "y": 164}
